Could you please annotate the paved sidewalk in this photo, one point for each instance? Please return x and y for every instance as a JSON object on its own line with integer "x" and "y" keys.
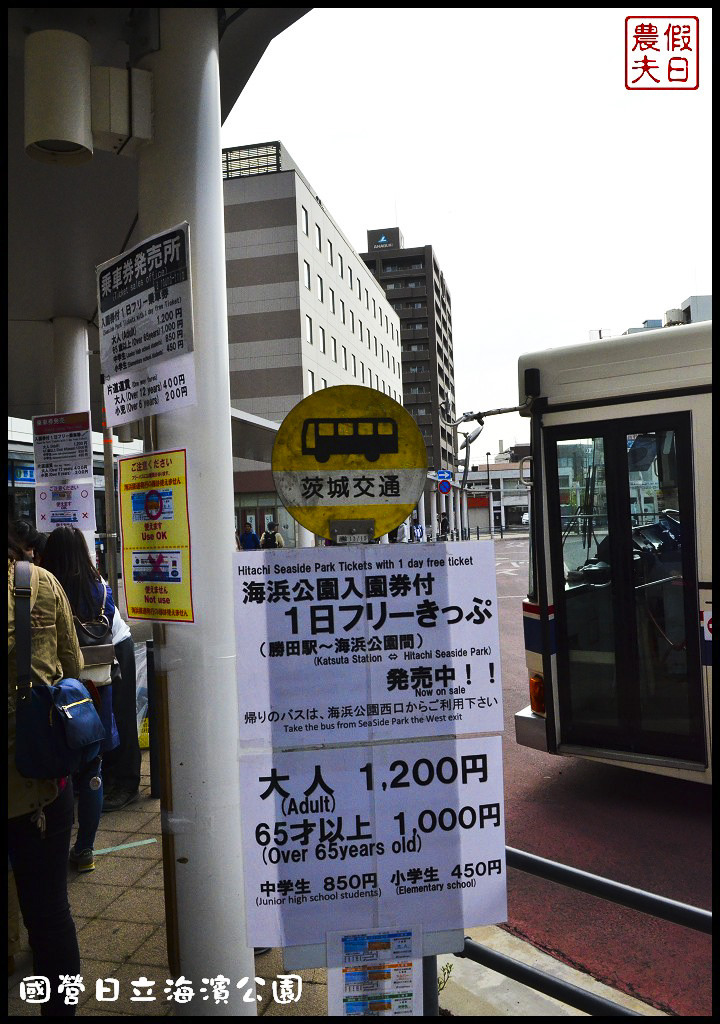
{"x": 119, "y": 913}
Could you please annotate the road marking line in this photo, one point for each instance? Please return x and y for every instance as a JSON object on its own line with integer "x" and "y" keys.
{"x": 125, "y": 846}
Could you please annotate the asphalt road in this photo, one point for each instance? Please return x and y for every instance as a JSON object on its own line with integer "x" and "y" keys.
{"x": 643, "y": 830}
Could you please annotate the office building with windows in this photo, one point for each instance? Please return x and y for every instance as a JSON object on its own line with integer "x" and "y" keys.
{"x": 416, "y": 289}
{"x": 304, "y": 312}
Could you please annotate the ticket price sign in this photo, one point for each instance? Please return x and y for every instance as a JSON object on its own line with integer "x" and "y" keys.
{"x": 366, "y": 837}
{"x": 349, "y": 454}
{"x": 358, "y": 643}
{"x": 62, "y": 446}
{"x": 146, "y": 328}
{"x": 156, "y": 536}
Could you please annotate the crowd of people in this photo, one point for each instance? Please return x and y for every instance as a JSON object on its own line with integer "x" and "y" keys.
{"x": 70, "y": 602}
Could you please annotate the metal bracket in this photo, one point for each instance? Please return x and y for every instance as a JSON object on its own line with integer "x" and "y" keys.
{"x": 352, "y": 531}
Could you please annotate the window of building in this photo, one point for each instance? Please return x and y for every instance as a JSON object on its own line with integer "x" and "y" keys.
{"x": 367, "y": 299}
{"x": 376, "y": 347}
{"x": 354, "y": 366}
{"x": 367, "y": 332}
{"x": 333, "y": 345}
{"x": 306, "y": 272}
{"x": 352, "y": 321}
{"x": 341, "y": 266}
{"x": 350, "y": 276}
{"x": 344, "y": 358}
{"x": 361, "y": 331}
{"x": 311, "y": 381}
{"x": 332, "y": 300}
{"x": 308, "y": 330}
{"x": 342, "y": 311}
{"x": 321, "y": 332}
{"x": 324, "y": 382}
{"x": 330, "y": 252}
{"x": 304, "y": 220}
{"x": 375, "y": 311}
{"x": 318, "y": 238}
{"x": 320, "y": 288}
{"x": 359, "y": 289}
{"x": 362, "y": 372}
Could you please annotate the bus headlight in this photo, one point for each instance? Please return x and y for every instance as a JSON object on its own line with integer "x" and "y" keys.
{"x": 537, "y": 694}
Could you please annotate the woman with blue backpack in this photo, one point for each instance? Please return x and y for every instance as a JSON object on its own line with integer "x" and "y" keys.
{"x": 40, "y": 811}
{"x": 67, "y": 557}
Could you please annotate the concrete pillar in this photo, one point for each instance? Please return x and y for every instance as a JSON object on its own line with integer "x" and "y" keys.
{"x": 180, "y": 179}
{"x": 71, "y": 367}
{"x": 305, "y": 538}
{"x": 451, "y": 509}
{"x": 466, "y": 516}
{"x": 421, "y": 515}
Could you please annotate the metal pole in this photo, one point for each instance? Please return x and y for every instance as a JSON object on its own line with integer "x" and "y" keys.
{"x": 431, "y": 1006}
{"x": 490, "y": 497}
{"x": 180, "y": 179}
{"x": 110, "y": 523}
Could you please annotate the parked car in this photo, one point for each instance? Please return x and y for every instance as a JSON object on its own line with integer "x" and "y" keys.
{"x": 525, "y": 519}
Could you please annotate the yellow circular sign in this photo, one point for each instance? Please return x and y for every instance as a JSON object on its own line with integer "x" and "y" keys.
{"x": 349, "y": 453}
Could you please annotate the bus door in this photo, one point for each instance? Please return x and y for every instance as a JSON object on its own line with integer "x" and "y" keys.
{"x": 624, "y": 581}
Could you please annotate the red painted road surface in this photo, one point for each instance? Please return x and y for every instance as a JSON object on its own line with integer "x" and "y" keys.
{"x": 639, "y": 829}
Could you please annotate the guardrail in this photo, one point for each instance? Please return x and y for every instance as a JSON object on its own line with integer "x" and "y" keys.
{"x": 594, "y": 885}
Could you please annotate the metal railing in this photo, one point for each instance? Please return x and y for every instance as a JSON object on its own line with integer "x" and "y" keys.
{"x": 540, "y": 981}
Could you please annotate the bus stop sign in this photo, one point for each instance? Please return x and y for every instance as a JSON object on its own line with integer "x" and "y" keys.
{"x": 349, "y": 453}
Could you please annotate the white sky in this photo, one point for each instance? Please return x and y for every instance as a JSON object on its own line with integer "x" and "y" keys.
{"x": 557, "y": 201}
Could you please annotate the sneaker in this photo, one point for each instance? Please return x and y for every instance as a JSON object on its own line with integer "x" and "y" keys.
{"x": 119, "y": 798}
{"x": 83, "y": 860}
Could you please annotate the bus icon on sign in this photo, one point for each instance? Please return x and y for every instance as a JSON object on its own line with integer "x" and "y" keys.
{"x": 370, "y": 436}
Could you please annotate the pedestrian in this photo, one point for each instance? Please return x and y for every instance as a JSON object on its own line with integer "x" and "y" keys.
{"x": 444, "y": 526}
{"x": 40, "y": 811}
{"x": 401, "y": 535}
{"x": 417, "y": 531}
{"x": 122, "y": 765}
{"x": 248, "y": 539}
{"x": 32, "y": 541}
{"x": 272, "y": 538}
{"x": 66, "y": 556}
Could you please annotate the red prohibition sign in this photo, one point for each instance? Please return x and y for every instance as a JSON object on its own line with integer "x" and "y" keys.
{"x": 153, "y": 504}
{"x": 444, "y": 486}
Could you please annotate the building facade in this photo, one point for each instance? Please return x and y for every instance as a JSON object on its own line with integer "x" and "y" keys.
{"x": 416, "y": 289}
{"x": 304, "y": 312}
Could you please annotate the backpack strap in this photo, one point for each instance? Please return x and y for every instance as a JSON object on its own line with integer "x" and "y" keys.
{"x": 23, "y": 591}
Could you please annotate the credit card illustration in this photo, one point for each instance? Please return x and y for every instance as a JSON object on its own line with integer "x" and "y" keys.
{"x": 157, "y": 567}
{"x": 152, "y": 506}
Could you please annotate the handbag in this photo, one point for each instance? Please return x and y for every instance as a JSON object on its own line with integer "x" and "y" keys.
{"x": 57, "y": 726}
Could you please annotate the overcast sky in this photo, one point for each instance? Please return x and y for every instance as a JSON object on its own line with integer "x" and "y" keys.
{"x": 557, "y": 201}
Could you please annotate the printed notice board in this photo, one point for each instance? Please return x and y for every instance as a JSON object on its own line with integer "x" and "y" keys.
{"x": 373, "y": 836}
{"x": 146, "y": 328}
{"x": 155, "y": 534}
{"x": 367, "y": 642}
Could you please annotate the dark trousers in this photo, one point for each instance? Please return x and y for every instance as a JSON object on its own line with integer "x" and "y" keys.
{"x": 121, "y": 766}
{"x": 40, "y": 865}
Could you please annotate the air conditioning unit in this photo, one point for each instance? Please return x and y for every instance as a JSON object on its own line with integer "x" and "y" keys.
{"x": 673, "y": 317}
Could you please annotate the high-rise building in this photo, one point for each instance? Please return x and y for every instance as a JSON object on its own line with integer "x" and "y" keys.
{"x": 304, "y": 312}
{"x": 416, "y": 289}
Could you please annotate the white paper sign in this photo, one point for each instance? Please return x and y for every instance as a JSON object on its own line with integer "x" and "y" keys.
{"x": 65, "y": 505}
{"x": 62, "y": 446}
{"x": 145, "y": 303}
{"x": 364, "y": 643}
{"x": 366, "y": 837}
{"x": 148, "y": 391}
{"x": 378, "y": 973}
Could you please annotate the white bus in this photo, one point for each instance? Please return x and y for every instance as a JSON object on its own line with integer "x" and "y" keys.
{"x": 618, "y": 619}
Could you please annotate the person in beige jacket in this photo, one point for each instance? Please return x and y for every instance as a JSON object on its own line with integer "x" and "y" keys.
{"x": 40, "y": 811}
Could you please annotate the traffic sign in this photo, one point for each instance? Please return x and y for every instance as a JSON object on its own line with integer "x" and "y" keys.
{"x": 347, "y": 454}
{"x": 443, "y": 474}
{"x": 444, "y": 486}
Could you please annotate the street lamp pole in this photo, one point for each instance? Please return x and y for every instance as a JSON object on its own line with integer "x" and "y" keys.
{"x": 490, "y": 497}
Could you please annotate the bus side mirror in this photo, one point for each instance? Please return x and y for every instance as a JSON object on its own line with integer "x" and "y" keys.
{"x": 526, "y": 471}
